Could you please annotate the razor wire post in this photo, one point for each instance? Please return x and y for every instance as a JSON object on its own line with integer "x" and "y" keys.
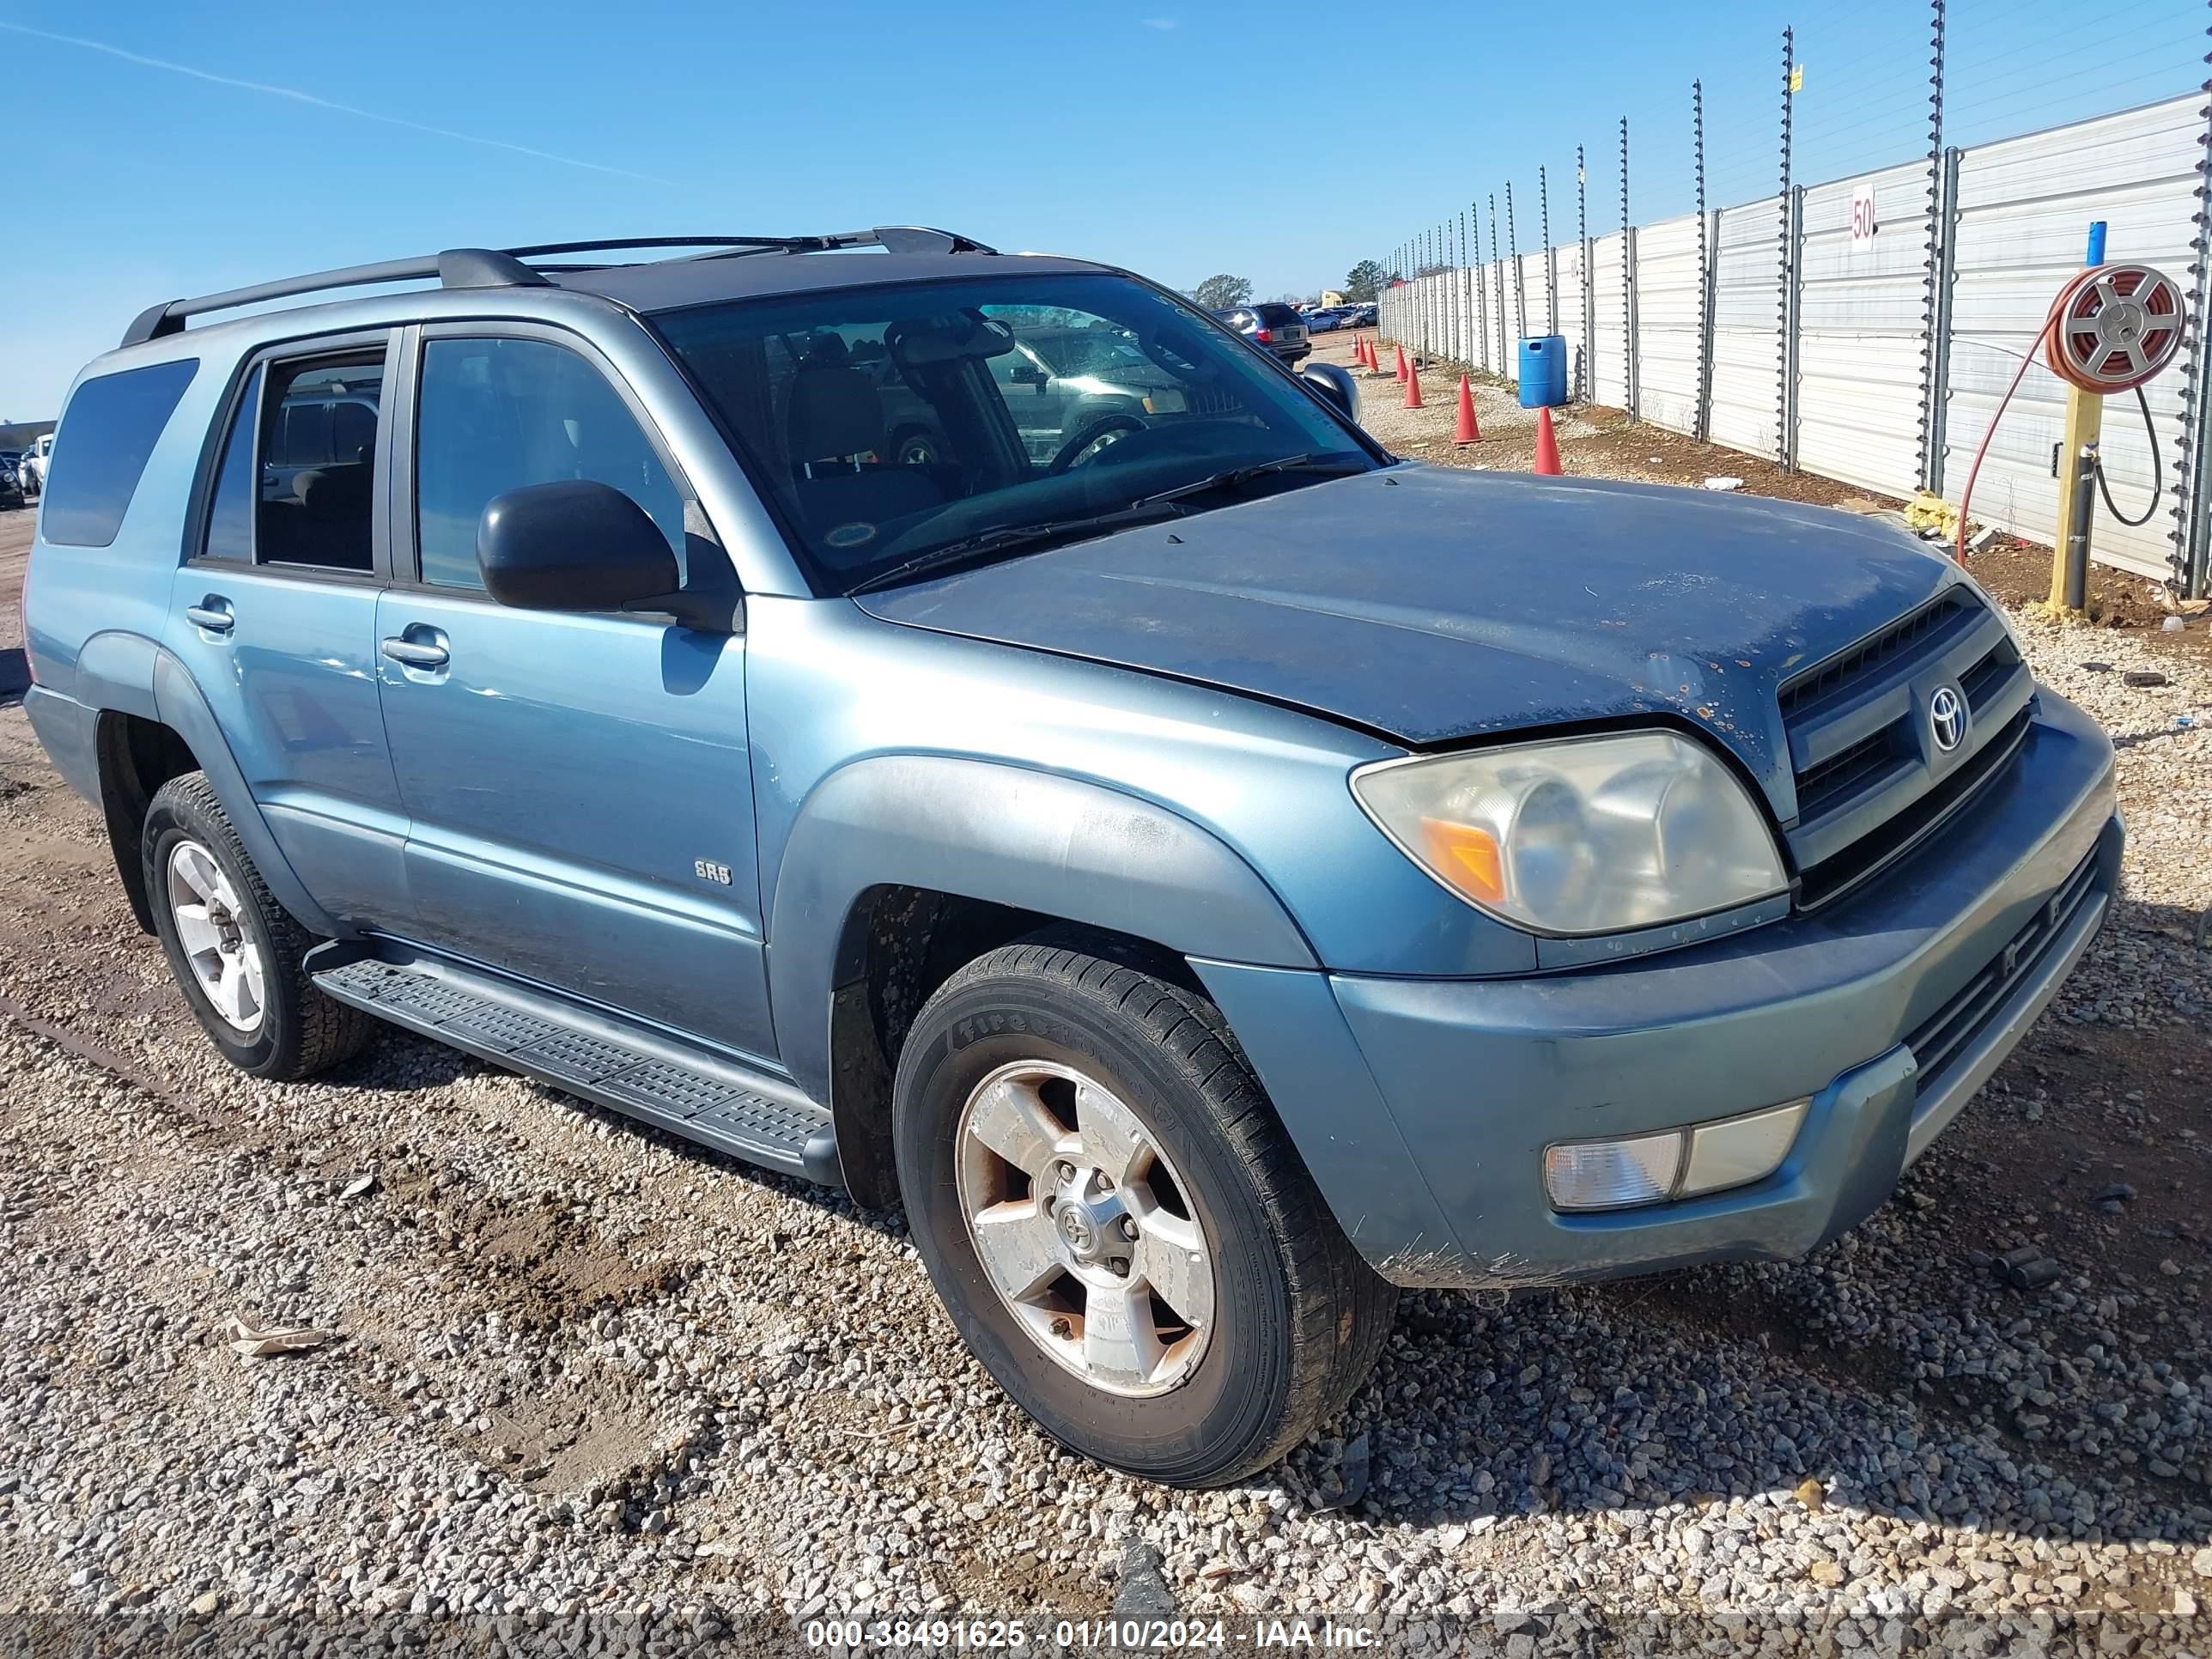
{"x": 2192, "y": 512}
{"x": 1513, "y": 253}
{"x": 1551, "y": 254}
{"x": 1498, "y": 264}
{"x": 1701, "y": 416}
{"x": 1628, "y": 376}
{"x": 1784, "y": 444}
{"x": 1481, "y": 285}
{"x": 1937, "y": 256}
{"x": 1589, "y": 280}
{"x": 1466, "y": 298}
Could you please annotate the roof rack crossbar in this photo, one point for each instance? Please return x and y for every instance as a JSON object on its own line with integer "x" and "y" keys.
{"x": 477, "y": 267}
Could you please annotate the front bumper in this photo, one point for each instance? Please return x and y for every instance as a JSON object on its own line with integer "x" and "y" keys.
{"x": 1890, "y": 1009}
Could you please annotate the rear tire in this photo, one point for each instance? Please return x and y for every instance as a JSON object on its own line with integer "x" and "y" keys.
{"x": 236, "y": 952}
{"x": 1132, "y": 1108}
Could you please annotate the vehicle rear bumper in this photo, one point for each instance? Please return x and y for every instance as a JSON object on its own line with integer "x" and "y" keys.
{"x": 1950, "y": 956}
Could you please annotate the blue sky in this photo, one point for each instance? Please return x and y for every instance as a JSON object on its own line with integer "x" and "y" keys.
{"x": 218, "y": 144}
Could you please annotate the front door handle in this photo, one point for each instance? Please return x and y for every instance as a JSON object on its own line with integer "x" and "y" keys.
{"x": 212, "y": 613}
{"x": 413, "y": 653}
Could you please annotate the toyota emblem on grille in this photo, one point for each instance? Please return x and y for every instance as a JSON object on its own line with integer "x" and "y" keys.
{"x": 1947, "y": 718}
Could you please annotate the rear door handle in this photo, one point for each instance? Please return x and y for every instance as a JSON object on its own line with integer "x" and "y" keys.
{"x": 414, "y": 653}
{"x": 213, "y": 613}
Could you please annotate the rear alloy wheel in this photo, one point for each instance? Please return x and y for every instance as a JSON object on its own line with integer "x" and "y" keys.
{"x": 1111, "y": 1211}
{"x": 234, "y": 950}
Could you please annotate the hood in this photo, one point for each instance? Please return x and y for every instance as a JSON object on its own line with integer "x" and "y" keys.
{"x": 1432, "y": 604}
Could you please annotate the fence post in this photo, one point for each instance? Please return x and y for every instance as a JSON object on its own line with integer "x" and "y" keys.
{"x": 1785, "y": 393}
{"x": 1497, "y": 262}
{"x": 1630, "y": 369}
{"x": 1793, "y": 306}
{"x": 1943, "y": 215}
{"x": 1551, "y": 255}
{"x": 1701, "y": 419}
{"x": 1481, "y": 285}
{"x": 1589, "y": 280}
{"x": 1520, "y": 281}
{"x": 1934, "y": 344}
{"x": 2192, "y": 512}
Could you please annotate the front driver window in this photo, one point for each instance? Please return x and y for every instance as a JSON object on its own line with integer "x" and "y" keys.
{"x": 499, "y": 414}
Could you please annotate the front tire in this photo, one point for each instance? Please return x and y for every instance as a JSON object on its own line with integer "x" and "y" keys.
{"x": 1118, "y": 1223}
{"x": 234, "y": 950}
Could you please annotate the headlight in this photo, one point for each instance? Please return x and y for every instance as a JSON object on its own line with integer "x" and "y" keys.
{"x": 1164, "y": 400}
{"x": 1602, "y": 834}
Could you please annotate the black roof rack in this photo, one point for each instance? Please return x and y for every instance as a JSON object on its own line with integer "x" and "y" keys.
{"x": 479, "y": 267}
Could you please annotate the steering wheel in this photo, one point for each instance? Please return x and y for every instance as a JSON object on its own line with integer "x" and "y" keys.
{"x": 1086, "y": 446}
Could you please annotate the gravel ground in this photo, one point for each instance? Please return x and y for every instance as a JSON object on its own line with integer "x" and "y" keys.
{"x": 587, "y": 1385}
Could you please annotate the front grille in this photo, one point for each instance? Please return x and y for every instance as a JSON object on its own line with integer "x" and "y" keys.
{"x": 1867, "y": 657}
{"x": 1869, "y": 779}
{"x": 1940, "y": 1037}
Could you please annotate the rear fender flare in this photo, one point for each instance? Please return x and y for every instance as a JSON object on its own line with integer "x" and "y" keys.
{"x": 181, "y": 707}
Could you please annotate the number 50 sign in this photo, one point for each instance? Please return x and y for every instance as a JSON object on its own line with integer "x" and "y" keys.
{"x": 1862, "y": 214}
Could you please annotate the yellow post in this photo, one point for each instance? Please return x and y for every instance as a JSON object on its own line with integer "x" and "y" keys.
{"x": 2085, "y": 424}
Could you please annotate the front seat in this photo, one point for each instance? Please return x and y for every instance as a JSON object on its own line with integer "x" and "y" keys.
{"x": 834, "y": 424}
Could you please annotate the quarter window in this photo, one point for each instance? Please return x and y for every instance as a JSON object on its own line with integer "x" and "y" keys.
{"x": 499, "y": 414}
{"x": 230, "y": 518}
{"x": 111, "y": 428}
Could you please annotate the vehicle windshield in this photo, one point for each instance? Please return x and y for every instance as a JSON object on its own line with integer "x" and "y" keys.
{"x": 992, "y": 415}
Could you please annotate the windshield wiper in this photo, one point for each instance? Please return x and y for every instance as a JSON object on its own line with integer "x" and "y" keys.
{"x": 1010, "y": 537}
{"x": 1237, "y": 475}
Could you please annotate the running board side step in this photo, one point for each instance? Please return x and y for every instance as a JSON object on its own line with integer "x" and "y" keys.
{"x": 627, "y": 1068}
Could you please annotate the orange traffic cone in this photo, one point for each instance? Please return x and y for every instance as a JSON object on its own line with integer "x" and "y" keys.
{"x": 1365, "y": 352}
{"x": 1401, "y": 365}
{"x": 1413, "y": 386}
{"x": 1547, "y": 445}
{"x": 1465, "y": 431}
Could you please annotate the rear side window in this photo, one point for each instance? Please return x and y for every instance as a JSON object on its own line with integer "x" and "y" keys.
{"x": 112, "y": 426}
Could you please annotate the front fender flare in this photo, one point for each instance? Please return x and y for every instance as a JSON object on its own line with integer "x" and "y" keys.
{"x": 1076, "y": 851}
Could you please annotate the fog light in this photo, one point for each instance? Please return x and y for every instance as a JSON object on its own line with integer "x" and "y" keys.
{"x": 1737, "y": 1151}
{"x": 1612, "y": 1174}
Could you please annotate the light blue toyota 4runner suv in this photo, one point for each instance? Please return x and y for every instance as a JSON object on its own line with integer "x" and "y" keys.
{"x": 1210, "y": 871}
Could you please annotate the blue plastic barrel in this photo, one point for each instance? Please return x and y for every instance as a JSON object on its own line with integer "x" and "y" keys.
{"x": 1543, "y": 371}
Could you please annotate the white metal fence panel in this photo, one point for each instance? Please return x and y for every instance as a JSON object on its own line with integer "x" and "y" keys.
{"x": 1667, "y": 322}
{"x": 1608, "y": 357}
{"x": 1862, "y": 306}
{"x": 1747, "y": 328}
{"x": 2025, "y": 209}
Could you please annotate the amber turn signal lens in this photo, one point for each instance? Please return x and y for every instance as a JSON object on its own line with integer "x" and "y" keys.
{"x": 1467, "y": 856}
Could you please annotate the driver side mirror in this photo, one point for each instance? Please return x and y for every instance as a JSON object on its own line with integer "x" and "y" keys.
{"x": 1028, "y": 374}
{"x": 1333, "y": 387}
{"x": 575, "y": 545}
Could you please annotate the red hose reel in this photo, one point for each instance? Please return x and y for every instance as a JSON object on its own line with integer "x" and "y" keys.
{"x": 2113, "y": 328}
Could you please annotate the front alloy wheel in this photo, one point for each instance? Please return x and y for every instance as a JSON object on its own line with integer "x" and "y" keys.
{"x": 1121, "y": 1231}
{"x": 1083, "y": 1228}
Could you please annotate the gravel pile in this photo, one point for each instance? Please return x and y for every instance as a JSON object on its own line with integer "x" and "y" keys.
{"x": 577, "y": 1384}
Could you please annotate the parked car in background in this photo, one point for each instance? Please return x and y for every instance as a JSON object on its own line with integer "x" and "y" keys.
{"x": 35, "y": 461}
{"x": 1359, "y": 316}
{"x": 12, "y": 493}
{"x": 1323, "y": 320}
{"x": 1210, "y": 879}
{"x": 1274, "y": 328}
